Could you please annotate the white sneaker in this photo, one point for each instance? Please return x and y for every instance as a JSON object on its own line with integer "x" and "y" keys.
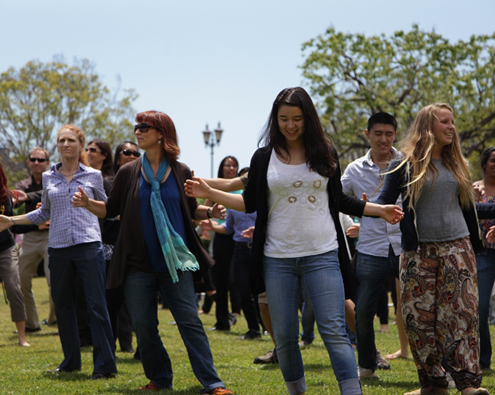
{"x": 364, "y": 373}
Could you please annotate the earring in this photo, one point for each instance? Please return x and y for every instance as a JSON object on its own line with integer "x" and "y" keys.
{"x": 159, "y": 141}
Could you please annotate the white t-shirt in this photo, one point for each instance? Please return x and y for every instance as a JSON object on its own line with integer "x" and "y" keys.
{"x": 299, "y": 220}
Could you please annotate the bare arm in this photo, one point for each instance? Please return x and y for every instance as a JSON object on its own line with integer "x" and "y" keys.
{"x": 225, "y": 184}
{"x": 389, "y": 212}
{"x": 198, "y": 188}
{"x": 7, "y": 222}
{"x": 216, "y": 211}
{"x": 208, "y": 225}
{"x": 96, "y": 207}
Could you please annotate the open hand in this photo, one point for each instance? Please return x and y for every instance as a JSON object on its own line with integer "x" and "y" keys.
{"x": 196, "y": 188}
{"x": 248, "y": 233}
{"x": 206, "y": 225}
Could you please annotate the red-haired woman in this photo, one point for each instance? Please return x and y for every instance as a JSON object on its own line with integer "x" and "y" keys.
{"x": 75, "y": 250}
{"x": 158, "y": 250}
{"x": 9, "y": 266}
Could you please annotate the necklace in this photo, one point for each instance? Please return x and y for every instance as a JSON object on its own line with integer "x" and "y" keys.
{"x": 67, "y": 175}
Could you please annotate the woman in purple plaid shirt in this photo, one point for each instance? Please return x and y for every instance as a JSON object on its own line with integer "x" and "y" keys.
{"x": 75, "y": 249}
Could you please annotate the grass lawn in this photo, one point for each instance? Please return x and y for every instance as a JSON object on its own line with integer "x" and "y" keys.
{"x": 22, "y": 369}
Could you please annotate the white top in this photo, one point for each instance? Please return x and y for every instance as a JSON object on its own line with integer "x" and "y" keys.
{"x": 375, "y": 234}
{"x": 299, "y": 220}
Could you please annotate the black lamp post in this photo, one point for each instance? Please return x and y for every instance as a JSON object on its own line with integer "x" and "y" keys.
{"x": 211, "y": 141}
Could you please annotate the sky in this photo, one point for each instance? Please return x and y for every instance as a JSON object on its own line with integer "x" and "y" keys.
{"x": 204, "y": 62}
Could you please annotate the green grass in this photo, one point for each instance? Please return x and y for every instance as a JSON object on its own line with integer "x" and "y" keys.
{"x": 22, "y": 370}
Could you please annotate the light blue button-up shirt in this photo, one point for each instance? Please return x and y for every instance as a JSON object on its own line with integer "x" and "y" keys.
{"x": 69, "y": 225}
{"x": 375, "y": 234}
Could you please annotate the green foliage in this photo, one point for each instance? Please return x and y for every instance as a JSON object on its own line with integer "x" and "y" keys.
{"x": 352, "y": 76}
{"x": 37, "y": 99}
{"x": 23, "y": 369}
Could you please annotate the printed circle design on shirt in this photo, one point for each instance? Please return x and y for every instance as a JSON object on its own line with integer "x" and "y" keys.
{"x": 292, "y": 199}
{"x": 297, "y": 184}
{"x": 317, "y": 183}
{"x": 311, "y": 199}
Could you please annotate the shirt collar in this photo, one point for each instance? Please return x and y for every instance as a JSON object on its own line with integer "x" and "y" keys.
{"x": 369, "y": 161}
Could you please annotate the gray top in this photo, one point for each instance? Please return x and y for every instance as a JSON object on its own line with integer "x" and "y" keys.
{"x": 439, "y": 214}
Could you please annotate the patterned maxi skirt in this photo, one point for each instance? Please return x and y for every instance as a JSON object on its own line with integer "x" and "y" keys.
{"x": 440, "y": 309}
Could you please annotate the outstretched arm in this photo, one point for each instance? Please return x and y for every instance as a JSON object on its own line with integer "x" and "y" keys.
{"x": 7, "y": 222}
{"x": 198, "y": 188}
{"x": 97, "y": 207}
{"x": 389, "y": 212}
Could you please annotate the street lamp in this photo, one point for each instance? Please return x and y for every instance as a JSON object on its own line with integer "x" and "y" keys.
{"x": 211, "y": 141}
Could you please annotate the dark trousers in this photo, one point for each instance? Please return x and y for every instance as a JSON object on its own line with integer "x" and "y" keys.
{"x": 242, "y": 256}
{"x": 223, "y": 250}
{"x": 87, "y": 261}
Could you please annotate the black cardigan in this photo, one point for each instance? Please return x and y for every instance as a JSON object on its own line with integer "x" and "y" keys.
{"x": 256, "y": 199}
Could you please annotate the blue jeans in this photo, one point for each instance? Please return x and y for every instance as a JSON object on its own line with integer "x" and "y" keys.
{"x": 307, "y": 318}
{"x": 485, "y": 264}
{"x": 87, "y": 261}
{"x": 373, "y": 273}
{"x": 140, "y": 291}
{"x": 321, "y": 276}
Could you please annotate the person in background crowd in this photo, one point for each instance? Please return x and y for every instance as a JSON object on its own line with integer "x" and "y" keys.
{"x": 35, "y": 241}
{"x": 100, "y": 157}
{"x": 440, "y": 234}
{"x": 223, "y": 252}
{"x": 158, "y": 250}
{"x": 236, "y": 223}
{"x": 9, "y": 269}
{"x": 485, "y": 261}
{"x": 378, "y": 246}
{"x": 75, "y": 250}
{"x": 296, "y": 178}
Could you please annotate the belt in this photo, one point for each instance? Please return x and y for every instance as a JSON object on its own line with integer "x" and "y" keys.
{"x": 240, "y": 244}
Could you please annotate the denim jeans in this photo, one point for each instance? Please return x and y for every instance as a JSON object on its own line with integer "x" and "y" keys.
{"x": 373, "y": 273}
{"x": 485, "y": 264}
{"x": 320, "y": 274}
{"x": 307, "y": 318}
{"x": 87, "y": 261}
{"x": 140, "y": 291}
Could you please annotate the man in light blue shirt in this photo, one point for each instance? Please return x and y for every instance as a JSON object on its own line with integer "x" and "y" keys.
{"x": 378, "y": 247}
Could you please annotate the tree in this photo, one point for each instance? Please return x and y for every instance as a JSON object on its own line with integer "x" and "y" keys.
{"x": 37, "y": 99}
{"x": 352, "y": 76}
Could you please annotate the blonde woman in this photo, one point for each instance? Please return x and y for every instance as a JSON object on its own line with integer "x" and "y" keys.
{"x": 438, "y": 267}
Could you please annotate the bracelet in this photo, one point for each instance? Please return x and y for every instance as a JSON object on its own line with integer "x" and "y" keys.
{"x": 12, "y": 218}
{"x": 208, "y": 212}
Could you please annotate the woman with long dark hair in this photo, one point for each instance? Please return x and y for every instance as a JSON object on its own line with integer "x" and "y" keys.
{"x": 75, "y": 249}
{"x": 440, "y": 234}
{"x": 294, "y": 186}
{"x": 99, "y": 155}
{"x": 485, "y": 261}
{"x": 9, "y": 265}
{"x": 158, "y": 250}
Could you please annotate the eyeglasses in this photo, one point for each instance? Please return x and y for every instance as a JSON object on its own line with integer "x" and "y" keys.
{"x": 143, "y": 127}
{"x": 93, "y": 150}
{"x": 127, "y": 152}
{"x": 40, "y": 160}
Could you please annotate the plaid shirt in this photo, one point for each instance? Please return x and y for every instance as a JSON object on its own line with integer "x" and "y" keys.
{"x": 69, "y": 225}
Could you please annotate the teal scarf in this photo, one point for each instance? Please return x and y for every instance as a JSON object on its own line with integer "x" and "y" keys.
{"x": 176, "y": 254}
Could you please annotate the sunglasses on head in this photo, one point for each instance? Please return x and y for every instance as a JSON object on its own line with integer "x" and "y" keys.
{"x": 127, "y": 152}
{"x": 143, "y": 127}
{"x": 92, "y": 149}
{"x": 40, "y": 160}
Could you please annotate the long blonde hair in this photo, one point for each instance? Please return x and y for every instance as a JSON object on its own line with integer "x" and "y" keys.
{"x": 417, "y": 146}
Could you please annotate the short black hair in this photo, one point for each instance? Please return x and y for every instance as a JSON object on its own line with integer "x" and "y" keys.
{"x": 382, "y": 117}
